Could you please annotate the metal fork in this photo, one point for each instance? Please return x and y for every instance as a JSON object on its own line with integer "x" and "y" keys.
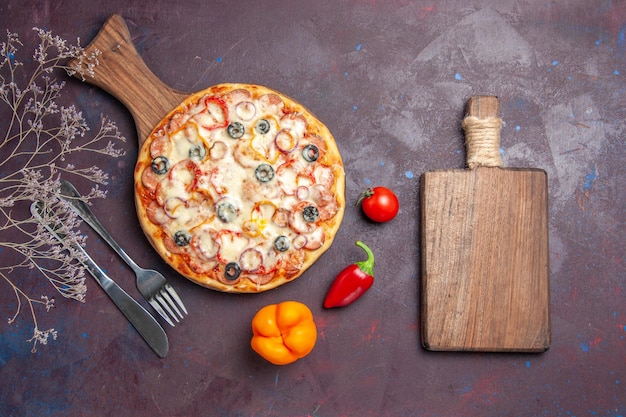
{"x": 151, "y": 284}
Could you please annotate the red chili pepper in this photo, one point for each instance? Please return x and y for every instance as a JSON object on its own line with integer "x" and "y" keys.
{"x": 352, "y": 282}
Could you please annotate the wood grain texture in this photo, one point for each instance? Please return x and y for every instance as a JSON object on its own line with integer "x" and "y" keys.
{"x": 485, "y": 260}
{"x": 484, "y": 243}
{"x": 122, "y": 73}
{"x": 483, "y": 107}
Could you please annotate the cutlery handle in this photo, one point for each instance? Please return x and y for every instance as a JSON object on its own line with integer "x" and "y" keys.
{"x": 73, "y": 197}
{"x": 142, "y": 321}
{"x": 149, "y": 329}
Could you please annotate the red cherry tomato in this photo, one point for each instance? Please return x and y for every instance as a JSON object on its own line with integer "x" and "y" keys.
{"x": 380, "y": 204}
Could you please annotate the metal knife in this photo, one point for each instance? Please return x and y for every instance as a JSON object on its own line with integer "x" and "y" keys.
{"x": 144, "y": 322}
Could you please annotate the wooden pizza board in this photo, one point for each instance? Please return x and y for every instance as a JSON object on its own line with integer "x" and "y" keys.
{"x": 484, "y": 248}
{"x": 122, "y": 73}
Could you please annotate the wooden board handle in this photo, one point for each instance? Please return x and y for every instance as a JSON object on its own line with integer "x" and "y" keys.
{"x": 483, "y": 107}
{"x": 122, "y": 73}
{"x": 482, "y": 126}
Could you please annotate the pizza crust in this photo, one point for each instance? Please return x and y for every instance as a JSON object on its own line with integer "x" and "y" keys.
{"x": 250, "y": 198}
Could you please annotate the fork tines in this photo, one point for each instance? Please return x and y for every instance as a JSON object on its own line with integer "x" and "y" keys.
{"x": 168, "y": 304}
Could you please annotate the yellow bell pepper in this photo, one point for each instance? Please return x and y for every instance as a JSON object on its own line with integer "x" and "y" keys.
{"x": 284, "y": 332}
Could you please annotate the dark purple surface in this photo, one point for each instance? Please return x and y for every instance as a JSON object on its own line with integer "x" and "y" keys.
{"x": 390, "y": 80}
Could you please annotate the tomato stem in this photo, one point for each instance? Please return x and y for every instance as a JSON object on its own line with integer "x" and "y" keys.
{"x": 365, "y": 194}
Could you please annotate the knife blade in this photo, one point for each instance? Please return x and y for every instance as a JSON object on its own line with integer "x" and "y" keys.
{"x": 145, "y": 324}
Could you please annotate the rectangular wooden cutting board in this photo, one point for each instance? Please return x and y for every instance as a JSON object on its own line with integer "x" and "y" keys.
{"x": 484, "y": 247}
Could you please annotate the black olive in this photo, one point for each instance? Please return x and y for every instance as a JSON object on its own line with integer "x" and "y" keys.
{"x": 226, "y": 211}
{"x": 235, "y": 130}
{"x": 232, "y": 270}
{"x": 310, "y": 214}
{"x": 160, "y": 165}
{"x": 310, "y": 153}
{"x": 264, "y": 173}
{"x": 197, "y": 152}
{"x": 262, "y": 126}
{"x": 182, "y": 238}
{"x": 281, "y": 244}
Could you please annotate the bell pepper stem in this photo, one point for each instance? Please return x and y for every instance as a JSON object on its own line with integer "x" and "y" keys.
{"x": 367, "y": 265}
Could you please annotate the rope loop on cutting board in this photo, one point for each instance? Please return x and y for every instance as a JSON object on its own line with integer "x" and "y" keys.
{"x": 482, "y": 141}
